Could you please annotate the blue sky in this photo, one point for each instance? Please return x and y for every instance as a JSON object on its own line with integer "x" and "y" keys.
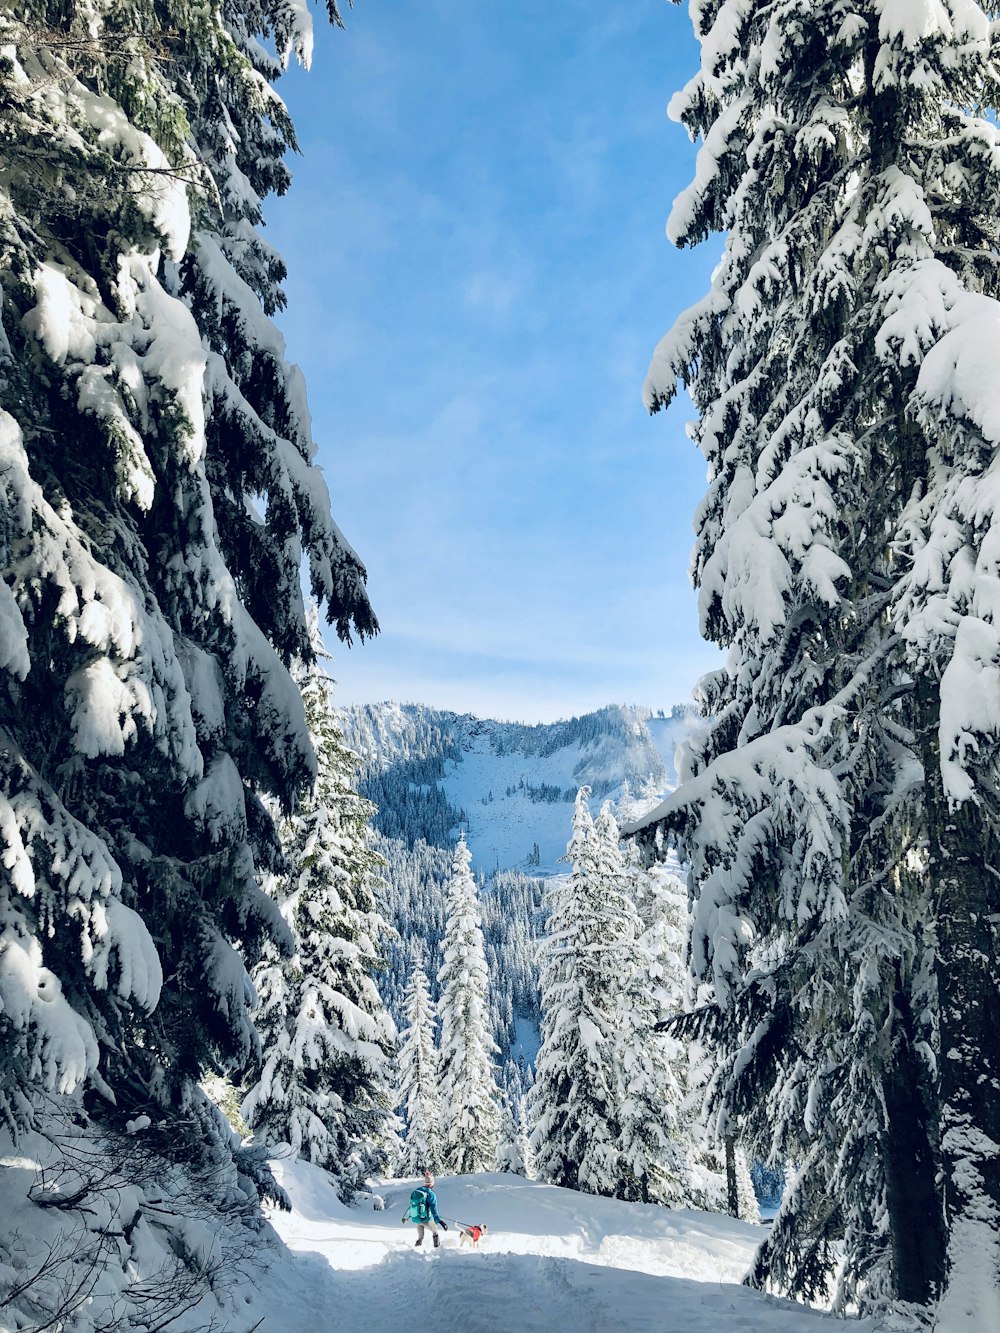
{"x": 478, "y": 275}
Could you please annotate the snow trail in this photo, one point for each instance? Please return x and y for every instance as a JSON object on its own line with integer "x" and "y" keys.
{"x": 554, "y": 1261}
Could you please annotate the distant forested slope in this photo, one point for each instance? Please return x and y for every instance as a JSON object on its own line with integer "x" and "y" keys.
{"x": 510, "y": 787}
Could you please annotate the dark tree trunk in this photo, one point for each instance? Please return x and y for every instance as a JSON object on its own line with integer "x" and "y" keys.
{"x": 913, "y": 1201}
{"x": 732, "y": 1191}
{"x": 965, "y": 873}
{"x": 969, "y": 991}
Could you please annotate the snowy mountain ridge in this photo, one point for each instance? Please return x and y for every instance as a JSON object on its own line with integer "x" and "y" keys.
{"x": 510, "y": 785}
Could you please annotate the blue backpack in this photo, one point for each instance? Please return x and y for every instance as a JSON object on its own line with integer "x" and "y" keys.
{"x": 419, "y": 1206}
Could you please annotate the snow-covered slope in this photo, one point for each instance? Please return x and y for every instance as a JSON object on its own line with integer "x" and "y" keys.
{"x": 554, "y": 1261}
{"x": 510, "y": 785}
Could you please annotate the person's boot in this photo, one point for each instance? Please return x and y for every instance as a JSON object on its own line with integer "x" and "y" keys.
{"x": 419, "y": 1241}
{"x": 437, "y": 1240}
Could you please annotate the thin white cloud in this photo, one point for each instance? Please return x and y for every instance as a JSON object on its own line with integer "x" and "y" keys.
{"x": 490, "y": 291}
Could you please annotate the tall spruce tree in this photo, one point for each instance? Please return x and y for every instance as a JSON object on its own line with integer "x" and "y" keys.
{"x": 326, "y": 1034}
{"x": 654, "y": 1162}
{"x": 605, "y": 1121}
{"x": 159, "y": 498}
{"x": 840, "y": 814}
{"x": 662, "y": 903}
{"x": 573, "y": 1097}
{"x": 418, "y": 1085}
{"x": 514, "y": 1154}
{"x": 470, "y": 1097}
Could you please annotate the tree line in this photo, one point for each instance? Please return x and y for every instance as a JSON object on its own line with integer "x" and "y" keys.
{"x": 612, "y": 1106}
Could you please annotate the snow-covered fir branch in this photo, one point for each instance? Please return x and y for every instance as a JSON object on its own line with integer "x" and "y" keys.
{"x": 160, "y": 501}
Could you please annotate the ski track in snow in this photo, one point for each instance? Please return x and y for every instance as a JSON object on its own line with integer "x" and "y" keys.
{"x": 554, "y": 1262}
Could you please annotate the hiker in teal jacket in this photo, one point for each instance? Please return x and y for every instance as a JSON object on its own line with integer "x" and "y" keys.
{"x": 424, "y": 1211}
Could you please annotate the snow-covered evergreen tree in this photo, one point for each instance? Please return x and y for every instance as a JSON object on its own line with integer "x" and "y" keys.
{"x": 572, "y": 1101}
{"x": 325, "y": 1030}
{"x": 418, "y": 1087}
{"x": 747, "y": 1207}
{"x": 515, "y": 1153}
{"x": 602, "y": 1104}
{"x": 413, "y": 898}
{"x": 470, "y": 1097}
{"x": 840, "y": 813}
{"x": 159, "y": 497}
{"x": 662, "y": 903}
{"x": 654, "y": 1165}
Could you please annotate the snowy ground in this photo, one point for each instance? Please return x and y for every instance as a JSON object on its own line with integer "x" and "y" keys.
{"x": 554, "y": 1262}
